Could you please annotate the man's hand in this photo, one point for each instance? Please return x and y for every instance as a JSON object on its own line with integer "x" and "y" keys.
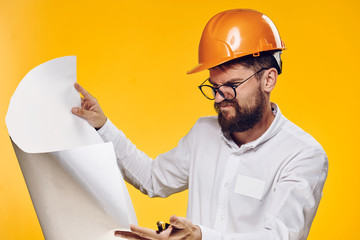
{"x": 180, "y": 228}
{"x": 90, "y": 109}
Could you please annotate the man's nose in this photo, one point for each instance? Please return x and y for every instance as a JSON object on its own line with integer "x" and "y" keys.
{"x": 218, "y": 97}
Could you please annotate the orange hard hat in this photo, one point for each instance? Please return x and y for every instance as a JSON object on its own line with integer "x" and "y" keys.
{"x": 236, "y": 33}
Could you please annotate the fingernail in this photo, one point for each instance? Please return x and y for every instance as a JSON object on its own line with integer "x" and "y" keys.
{"x": 75, "y": 110}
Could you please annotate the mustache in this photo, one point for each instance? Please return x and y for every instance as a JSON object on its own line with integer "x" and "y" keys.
{"x": 225, "y": 103}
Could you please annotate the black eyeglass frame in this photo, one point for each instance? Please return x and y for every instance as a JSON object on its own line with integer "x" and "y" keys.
{"x": 233, "y": 86}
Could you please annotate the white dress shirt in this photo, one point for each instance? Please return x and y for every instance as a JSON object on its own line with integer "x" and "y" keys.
{"x": 269, "y": 188}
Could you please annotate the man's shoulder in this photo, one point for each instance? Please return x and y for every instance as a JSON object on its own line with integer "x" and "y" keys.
{"x": 300, "y": 149}
{"x": 296, "y": 135}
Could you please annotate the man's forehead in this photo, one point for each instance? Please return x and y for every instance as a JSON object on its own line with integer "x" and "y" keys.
{"x": 221, "y": 76}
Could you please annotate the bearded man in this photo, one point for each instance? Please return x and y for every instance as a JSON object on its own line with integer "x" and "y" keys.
{"x": 251, "y": 173}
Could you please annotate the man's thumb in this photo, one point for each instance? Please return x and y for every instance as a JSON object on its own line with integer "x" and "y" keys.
{"x": 80, "y": 112}
{"x": 177, "y": 222}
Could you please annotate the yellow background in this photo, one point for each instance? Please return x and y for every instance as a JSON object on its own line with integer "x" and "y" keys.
{"x": 133, "y": 56}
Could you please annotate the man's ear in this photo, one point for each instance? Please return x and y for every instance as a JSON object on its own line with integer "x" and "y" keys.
{"x": 270, "y": 77}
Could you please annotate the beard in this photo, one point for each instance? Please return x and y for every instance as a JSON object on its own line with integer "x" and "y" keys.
{"x": 245, "y": 117}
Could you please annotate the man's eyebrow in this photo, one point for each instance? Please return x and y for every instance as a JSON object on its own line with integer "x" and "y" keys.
{"x": 230, "y": 81}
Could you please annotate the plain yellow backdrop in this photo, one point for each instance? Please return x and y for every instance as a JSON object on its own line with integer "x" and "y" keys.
{"x": 133, "y": 56}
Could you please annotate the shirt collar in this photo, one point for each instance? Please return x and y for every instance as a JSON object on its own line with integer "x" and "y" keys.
{"x": 274, "y": 128}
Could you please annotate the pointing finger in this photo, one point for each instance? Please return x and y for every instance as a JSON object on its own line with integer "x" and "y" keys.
{"x": 81, "y": 90}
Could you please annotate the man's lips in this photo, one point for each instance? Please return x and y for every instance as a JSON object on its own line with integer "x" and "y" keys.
{"x": 225, "y": 105}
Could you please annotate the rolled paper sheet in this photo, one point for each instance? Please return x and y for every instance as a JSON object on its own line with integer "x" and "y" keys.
{"x": 72, "y": 176}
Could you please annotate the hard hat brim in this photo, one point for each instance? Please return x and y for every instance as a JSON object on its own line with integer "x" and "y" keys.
{"x": 198, "y": 68}
{"x": 205, "y": 66}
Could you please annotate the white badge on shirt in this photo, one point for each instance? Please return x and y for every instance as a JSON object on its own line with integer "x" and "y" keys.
{"x": 249, "y": 186}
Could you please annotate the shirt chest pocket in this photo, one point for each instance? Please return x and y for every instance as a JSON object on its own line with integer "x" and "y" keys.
{"x": 249, "y": 186}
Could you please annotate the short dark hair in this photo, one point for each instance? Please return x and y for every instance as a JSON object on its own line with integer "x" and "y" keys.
{"x": 264, "y": 60}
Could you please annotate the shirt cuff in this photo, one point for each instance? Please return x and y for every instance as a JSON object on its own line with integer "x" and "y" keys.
{"x": 209, "y": 234}
{"x": 109, "y": 132}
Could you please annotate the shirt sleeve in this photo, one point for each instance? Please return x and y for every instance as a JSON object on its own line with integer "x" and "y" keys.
{"x": 165, "y": 175}
{"x": 295, "y": 199}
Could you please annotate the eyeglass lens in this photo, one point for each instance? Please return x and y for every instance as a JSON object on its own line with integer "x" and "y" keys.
{"x": 225, "y": 91}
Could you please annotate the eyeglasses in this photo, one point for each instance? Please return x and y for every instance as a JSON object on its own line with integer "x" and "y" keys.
{"x": 227, "y": 91}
